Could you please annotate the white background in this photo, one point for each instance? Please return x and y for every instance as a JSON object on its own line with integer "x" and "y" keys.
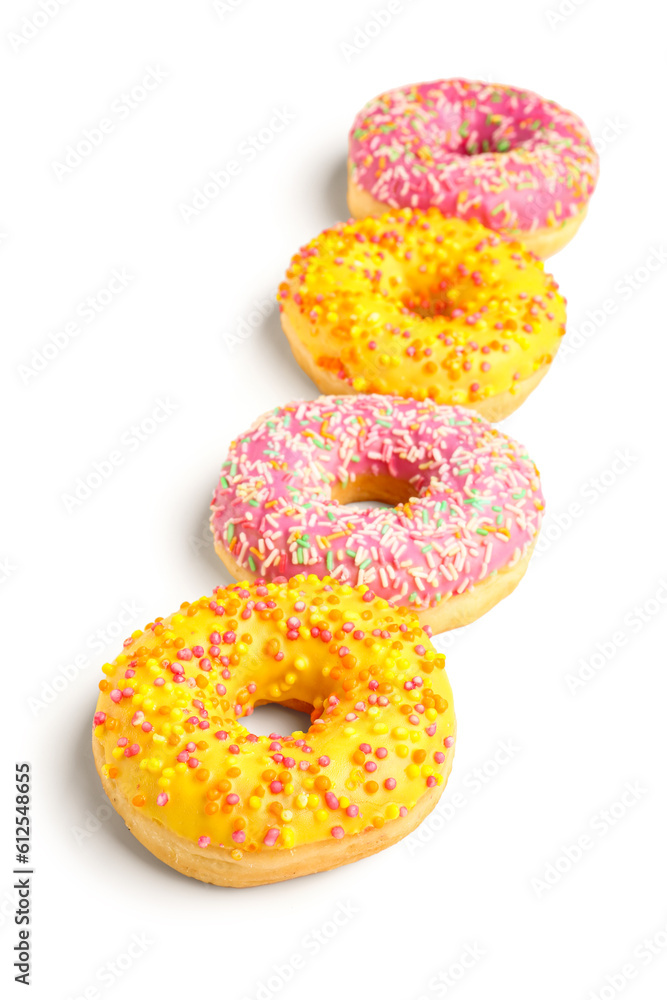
{"x": 470, "y": 878}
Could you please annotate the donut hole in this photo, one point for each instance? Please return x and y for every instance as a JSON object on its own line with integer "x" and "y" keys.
{"x": 270, "y": 718}
{"x": 374, "y": 491}
{"x": 467, "y": 131}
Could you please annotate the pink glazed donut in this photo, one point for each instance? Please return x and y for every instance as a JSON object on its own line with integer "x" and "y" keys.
{"x": 466, "y": 503}
{"x": 519, "y": 164}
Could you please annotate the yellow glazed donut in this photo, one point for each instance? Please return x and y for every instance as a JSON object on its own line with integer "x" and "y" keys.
{"x": 419, "y": 305}
{"x": 217, "y": 802}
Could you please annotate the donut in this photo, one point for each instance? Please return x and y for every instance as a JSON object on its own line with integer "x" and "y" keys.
{"x": 219, "y": 803}
{"x": 415, "y": 304}
{"x": 520, "y": 164}
{"x": 468, "y": 503}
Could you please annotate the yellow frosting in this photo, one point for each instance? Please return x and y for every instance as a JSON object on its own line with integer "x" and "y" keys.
{"x": 382, "y": 721}
{"x": 421, "y": 305}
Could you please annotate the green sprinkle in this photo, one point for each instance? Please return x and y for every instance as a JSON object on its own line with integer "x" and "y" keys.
{"x": 427, "y": 548}
{"x": 482, "y": 531}
{"x": 252, "y": 564}
{"x": 365, "y": 564}
{"x": 330, "y": 561}
{"x": 253, "y": 503}
{"x": 351, "y": 553}
{"x": 223, "y": 482}
{"x": 230, "y": 532}
{"x": 503, "y": 146}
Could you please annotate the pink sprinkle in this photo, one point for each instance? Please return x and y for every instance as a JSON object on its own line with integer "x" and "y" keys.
{"x": 193, "y": 762}
{"x": 390, "y": 784}
{"x": 122, "y": 741}
{"x": 238, "y": 836}
{"x": 271, "y": 836}
{"x": 204, "y": 841}
{"x": 233, "y": 748}
{"x": 162, "y": 799}
{"x": 221, "y": 734}
{"x": 99, "y": 718}
{"x": 370, "y": 766}
{"x": 381, "y": 752}
{"x": 352, "y": 810}
{"x": 324, "y": 761}
{"x": 275, "y": 787}
{"x": 214, "y": 637}
{"x": 331, "y": 800}
{"x": 449, "y": 741}
{"x": 338, "y": 832}
{"x": 439, "y": 757}
{"x": 116, "y": 695}
{"x": 430, "y": 781}
{"x": 232, "y": 799}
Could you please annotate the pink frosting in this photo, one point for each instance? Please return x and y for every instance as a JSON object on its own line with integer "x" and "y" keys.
{"x": 506, "y": 157}
{"x": 477, "y": 502}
